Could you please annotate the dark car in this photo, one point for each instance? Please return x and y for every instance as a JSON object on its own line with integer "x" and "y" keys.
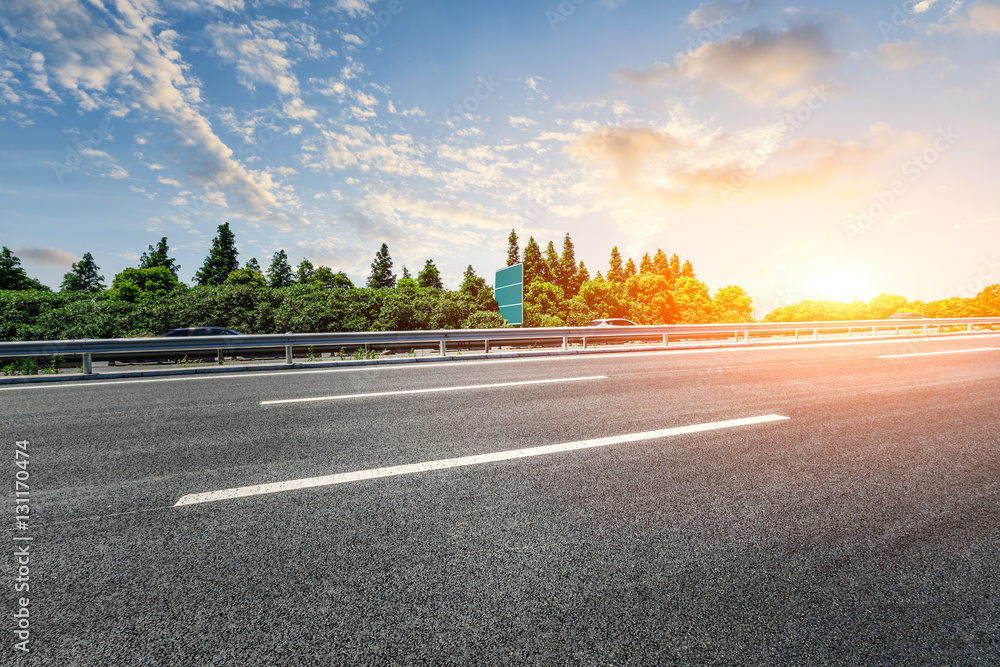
{"x": 613, "y": 322}
{"x": 202, "y": 331}
{"x": 906, "y": 316}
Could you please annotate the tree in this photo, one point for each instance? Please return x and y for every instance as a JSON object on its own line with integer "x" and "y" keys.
{"x": 221, "y": 260}
{"x": 83, "y": 277}
{"x": 733, "y": 304}
{"x": 382, "y": 275}
{"x": 687, "y": 270}
{"x": 694, "y": 304}
{"x": 534, "y": 266}
{"x": 143, "y": 284}
{"x": 325, "y": 277}
{"x": 629, "y": 269}
{"x": 254, "y": 265}
{"x": 304, "y": 271}
{"x": 616, "y": 274}
{"x": 649, "y": 299}
{"x": 661, "y": 265}
{"x": 430, "y": 276}
{"x": 245, "y": 276}
{"x": 279, "y": 274}
{"x": 12, "y": 276}
{"x": 645, "y": 265}
{"x": 551, "y": 263}
{"x": 406, "y": 274}
{"x": 471, "y": 283}
{"x": 566, "y": 271}
{"x": 675, "y": 265}
{"x": 158, "y": 257}
{"x": 513, "y": 250}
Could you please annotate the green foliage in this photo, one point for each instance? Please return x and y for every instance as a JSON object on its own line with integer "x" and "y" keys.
{"x": 221, "y": 260}
{"x": 616, "y": 273}
{"x": 382, "y": 275}
{"x": 245, "y": 276}
{"x": 513, "y": 250}
{"x": 159, "y": 256}
{"x": 12, "y": 276}
{"x": 25, "y": 366}
{"x": 279, "y": 274}
{"x": 534, "y": 265}
{"x": 83, "y": 277}
{"x": 650, "y": 300}
{"x": 544, "y": 305}
{"x": 135, "y": 285}
{"x": 429, "y": 276}
{"x": 304, "y": 271}
{"x": 733, "y": 304}
{"x": 325, "y": 277}
{"x": 482, "y": 319}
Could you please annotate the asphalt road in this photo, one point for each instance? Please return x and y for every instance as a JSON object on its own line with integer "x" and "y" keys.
{"x": 862, "y": 529}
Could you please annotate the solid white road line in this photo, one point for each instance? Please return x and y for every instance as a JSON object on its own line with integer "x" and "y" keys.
{"x": 430, "y": 391}
{"x": 927, "y": 354}
{"x": 441, "y": 464}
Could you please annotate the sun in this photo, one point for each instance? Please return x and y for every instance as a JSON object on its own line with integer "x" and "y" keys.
{"x": 840, "y": 285}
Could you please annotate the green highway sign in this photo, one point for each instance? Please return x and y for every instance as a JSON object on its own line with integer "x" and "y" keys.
{"x": 509, "y": 293}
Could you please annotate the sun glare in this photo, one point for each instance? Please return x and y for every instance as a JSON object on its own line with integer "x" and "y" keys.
{"x": 840, "y": 285}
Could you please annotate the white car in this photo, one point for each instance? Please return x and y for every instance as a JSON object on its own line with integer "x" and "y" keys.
{"x": 613, "y": 322}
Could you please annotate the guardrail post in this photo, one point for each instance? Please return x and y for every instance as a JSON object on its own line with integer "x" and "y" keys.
{"x": 815, "y": 334}
{"x": 897, "y": 330}
{"x": 565, "y": 342}
{"x": 486, "y": 344}
{"x": 443, "y": 350}
{"x": 88, "y": 363}
{"x": 585, "y": 342}
{"x": 848, "y": 332}
{"x": 288, "y": 354}
{"x": 925, "y": 329}
{"x": 665, "y": 341}
{"x": 746, "y": 336}
{"x": 969, "y": 327}
{"x": 873, "y": 332}
{"x": 219, "y": 357}
{"x": 796, "y": 334}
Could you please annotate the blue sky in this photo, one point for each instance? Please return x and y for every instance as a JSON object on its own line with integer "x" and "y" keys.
{"x": 820, "y": 150}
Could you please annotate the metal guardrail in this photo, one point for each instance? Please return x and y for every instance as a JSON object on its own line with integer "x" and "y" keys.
{"x": 488, "y": 337}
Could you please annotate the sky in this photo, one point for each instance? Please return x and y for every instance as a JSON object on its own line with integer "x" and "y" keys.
{"x": 820, "y": 150}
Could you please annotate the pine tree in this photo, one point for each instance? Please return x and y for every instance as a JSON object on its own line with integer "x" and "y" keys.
{"x": 513, "y": 250}
{"x": 304, "y": 271}
{"x": 471, "y": 283}
{"x": 675, "y": 266}
{"x": 279, "y": 274}
{"x": 430, "y": 276}
{"x": 83, "y": 277}
{"x": 221, "y": 260}
{"x": 534, "y": 266}
{"x": 551, "y": 263}
{"x": 687, "y": 270}
{"x": 406, "y": 274}
{"x": 382, "y": 275}
{"x": 582, "y": 275}
{"x": 566, "y": 272}
{"x": 254, "y": 265}
{"x": 645, "y": 265}
{"x": 12, "y": 276}
{"x": 158, "y": 257}
{"x": 661, "y": 265}
{"x": 616, "y": 274}
{"x": 629, "y": 269}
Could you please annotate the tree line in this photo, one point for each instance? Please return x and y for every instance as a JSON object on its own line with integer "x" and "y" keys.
{"x": 149, "y": 299}
{"x": 559, "y": 291}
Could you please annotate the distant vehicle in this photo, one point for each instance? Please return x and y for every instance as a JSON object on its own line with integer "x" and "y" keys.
{"x": 613, "y": 322}
{"x": 906, "y": 316}
{"x": 202, "y": 331}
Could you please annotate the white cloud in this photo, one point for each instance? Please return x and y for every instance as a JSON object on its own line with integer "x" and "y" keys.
{"x": 520, "y": 121}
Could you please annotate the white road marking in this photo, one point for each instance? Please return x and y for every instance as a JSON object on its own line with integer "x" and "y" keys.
{"x": 927, "y": 354}
{"x": 430, "y": 391}
{"x": 477, "y": 459}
